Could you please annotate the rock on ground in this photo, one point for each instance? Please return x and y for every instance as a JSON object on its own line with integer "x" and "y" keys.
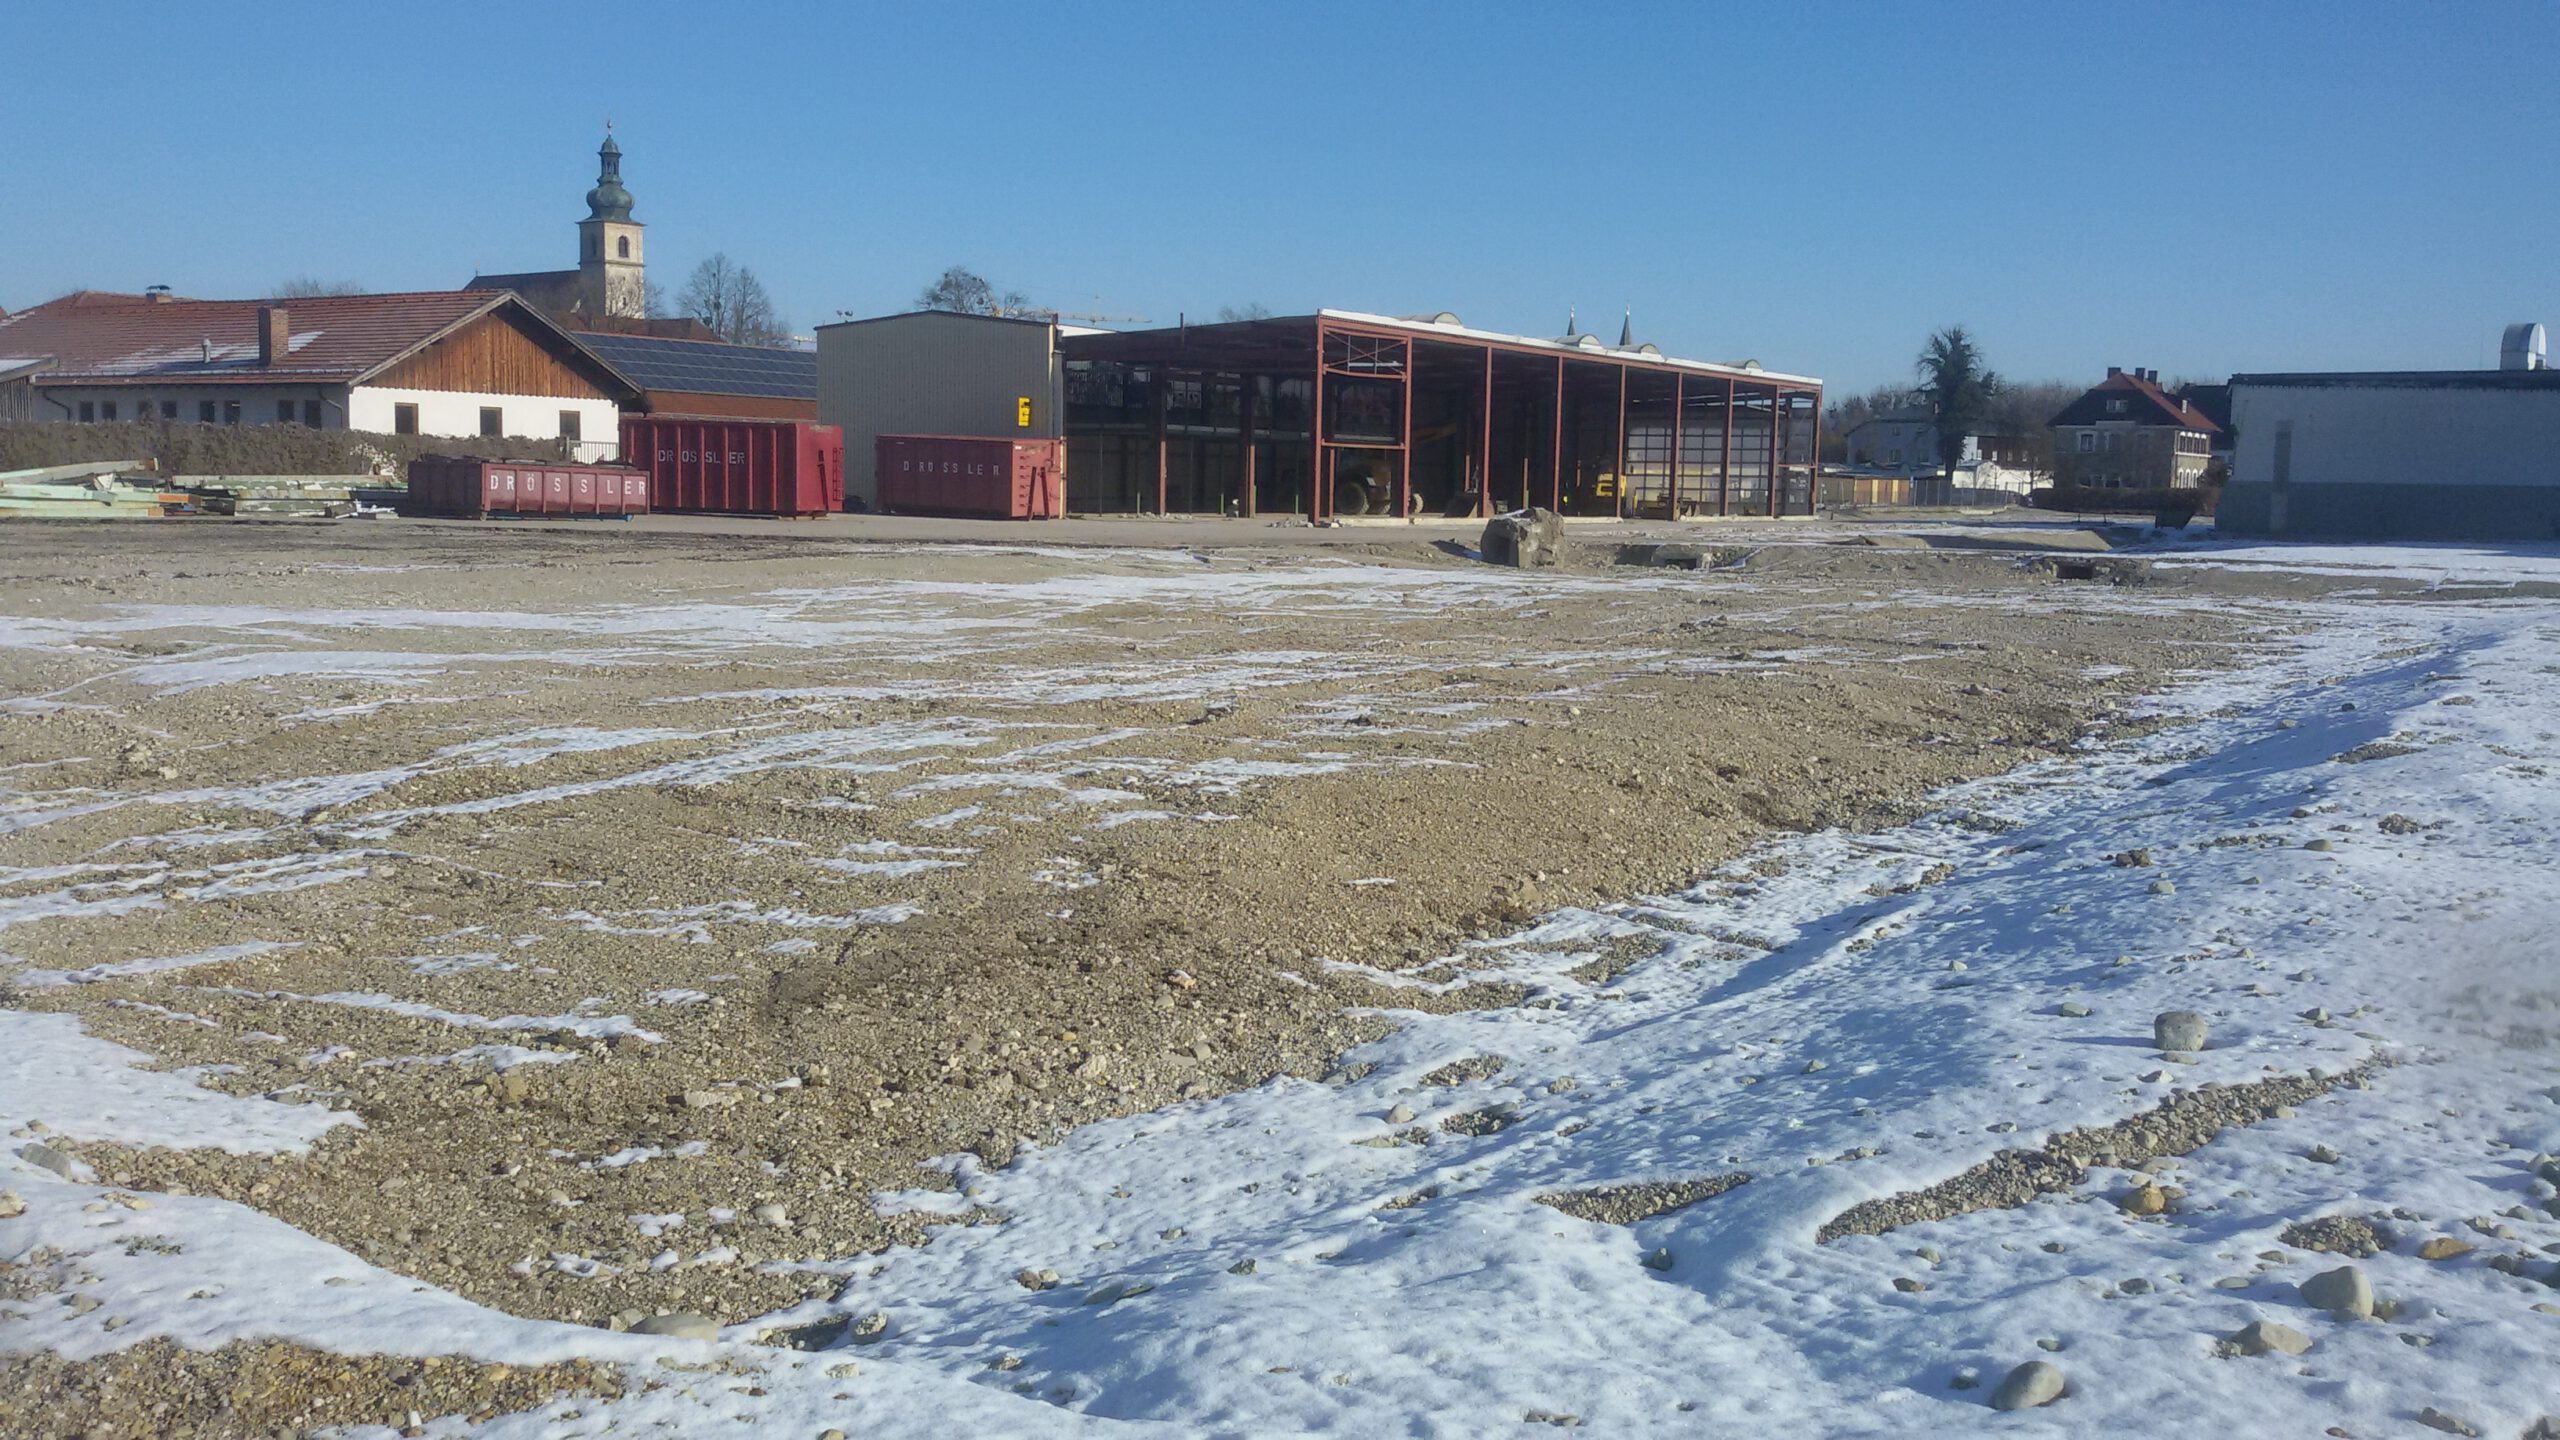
{"x": 2264, "y": 1337}
{"x": 679, "y": 1325}
{"x": 2343, "y": 1292}
{"x": 2178, "y": 1030}
{"x": 1524, "y": 538}
{"x": 2037, "y": 1382}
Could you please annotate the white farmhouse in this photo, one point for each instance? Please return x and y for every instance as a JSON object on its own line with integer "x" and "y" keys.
{"x": 459, "y": 364}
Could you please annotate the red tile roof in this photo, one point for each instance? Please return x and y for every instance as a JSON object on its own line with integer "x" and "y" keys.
{"x": 106, "y": 338}
{"x": 2147, "y": 404}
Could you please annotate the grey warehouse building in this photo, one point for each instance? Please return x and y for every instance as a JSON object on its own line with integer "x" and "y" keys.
{"x": 936, "y": 372}
{"x": 2399, "y": 454}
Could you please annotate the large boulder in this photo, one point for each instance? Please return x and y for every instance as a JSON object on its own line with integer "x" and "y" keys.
{"x": 2180, "y": 1031}
{"x": 679, "y": 1325}
{"x": 1523, "y": 538}
{"x": 2030, "y": 1385}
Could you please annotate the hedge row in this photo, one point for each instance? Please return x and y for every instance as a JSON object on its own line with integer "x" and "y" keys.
{"x": 2200, "y": 500}
{"x": 178, "y": 449}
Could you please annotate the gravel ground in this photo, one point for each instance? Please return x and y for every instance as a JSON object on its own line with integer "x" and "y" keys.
{"x": 656, "y": 899}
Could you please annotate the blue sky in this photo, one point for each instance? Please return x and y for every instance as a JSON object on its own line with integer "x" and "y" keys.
{"x": 2199, "y": 189}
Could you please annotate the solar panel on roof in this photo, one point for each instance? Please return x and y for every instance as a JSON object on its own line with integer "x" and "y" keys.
{"x": 709, "y": 368}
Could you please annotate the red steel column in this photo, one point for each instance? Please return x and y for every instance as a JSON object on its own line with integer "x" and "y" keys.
{"x": 1724, "y": 476}
{"x": 1555, "y": 474}
{"x": 1160, "y": 387}
{"x": 1250, "y": 386}
{"x": 1484, "y": 461}
{"x": 1404, "y": 463}
{"x": 1679, "y": 415}
{"x": 1777, "y": 415}
{"x": 1315, "y": 435}
{"x": 1621, "y": 486}
{"x": 1813, "y": 484}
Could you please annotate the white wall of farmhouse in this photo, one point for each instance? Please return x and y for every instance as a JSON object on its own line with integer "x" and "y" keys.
{"x": 456, "y": 413}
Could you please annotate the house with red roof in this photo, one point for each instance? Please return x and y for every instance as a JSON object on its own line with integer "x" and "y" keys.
{"x": 2126, "y": 433}
{"x": 461, "y": 364}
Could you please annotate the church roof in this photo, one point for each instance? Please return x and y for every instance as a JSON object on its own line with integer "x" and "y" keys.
{"x": 523, "y": 282}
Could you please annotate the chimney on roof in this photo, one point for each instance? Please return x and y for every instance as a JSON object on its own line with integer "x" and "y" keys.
{"x": 2114, "y": 370}
{"x": 275, "y": 335}
{"x": 158, "y": 294}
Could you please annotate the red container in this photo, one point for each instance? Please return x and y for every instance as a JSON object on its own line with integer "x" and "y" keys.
{"x": 459, "y": 485}
{"x": 988, "y": 477}
{"x": 738, "y": 467}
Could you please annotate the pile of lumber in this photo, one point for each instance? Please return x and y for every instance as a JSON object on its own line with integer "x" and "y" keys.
{"x": 327, "y": 495}
{"x": 111, "y": 489}
{"x": 129, "y": 489}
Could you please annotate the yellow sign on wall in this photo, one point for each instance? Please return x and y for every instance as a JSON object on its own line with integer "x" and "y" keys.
{"x": 1022, "y": 411}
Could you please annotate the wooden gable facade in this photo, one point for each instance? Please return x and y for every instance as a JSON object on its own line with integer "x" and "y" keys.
{"x": 505, "y": 352}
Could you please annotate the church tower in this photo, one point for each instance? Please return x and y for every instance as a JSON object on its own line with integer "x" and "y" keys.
{"x": 610, "y": 280}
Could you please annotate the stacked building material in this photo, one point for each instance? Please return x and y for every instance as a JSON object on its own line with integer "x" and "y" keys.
{"x": 112, "y": 489}
{"x": 265, "y": 495}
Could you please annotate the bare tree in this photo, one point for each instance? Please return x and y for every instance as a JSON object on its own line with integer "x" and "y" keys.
{"x": 966, "y": 292}
{"x": 1847, "y": 414}
{"x": 1249, "y": 310}
{"x": 2022, "y": 416}
{"x": 306, "y": 287}
{"x": 653, "y": 298}
{"x": 727, "y": 297}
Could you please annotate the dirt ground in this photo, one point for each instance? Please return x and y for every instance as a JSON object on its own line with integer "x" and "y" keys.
{"x": 623, "y": 884}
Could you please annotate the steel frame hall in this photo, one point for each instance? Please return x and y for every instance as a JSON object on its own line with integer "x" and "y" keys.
{"x": 1340, "y": 414}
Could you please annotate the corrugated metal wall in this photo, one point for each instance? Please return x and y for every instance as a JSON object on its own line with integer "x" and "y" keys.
{"x": 935, "y": 374}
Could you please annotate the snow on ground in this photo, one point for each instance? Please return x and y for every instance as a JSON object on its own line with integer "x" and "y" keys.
{"x": 2447, "y": 563}
{"x": 90, "y": 1089}
{"x": 1839, "y": 1017}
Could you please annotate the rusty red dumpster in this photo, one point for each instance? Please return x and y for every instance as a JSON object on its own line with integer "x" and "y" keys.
{"x": 474, "y": 488}
{"x": 988, "y": 477}
{"x": 737, "y": 467}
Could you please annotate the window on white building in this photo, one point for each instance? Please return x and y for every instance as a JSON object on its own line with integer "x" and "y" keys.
{"x": 168, "y": 409}
{"x": 569, "y": 426}
{"x": 2088, "y": 442}
{"x": 493, "y": 421}
{"x": 404, "y": 419}
{"x": 204, "y": 412}
{"x": 284, "y": 412}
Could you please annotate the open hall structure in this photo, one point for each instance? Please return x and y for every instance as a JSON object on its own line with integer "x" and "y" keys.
{"x": 1338, "y": 415}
